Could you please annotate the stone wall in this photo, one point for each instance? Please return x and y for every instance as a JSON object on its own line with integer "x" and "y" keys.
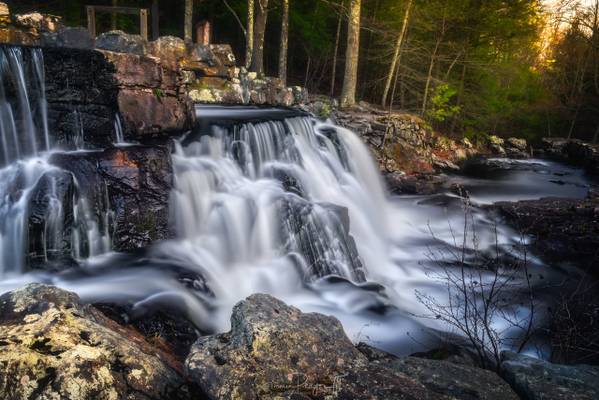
{"x": 87, "y": 89}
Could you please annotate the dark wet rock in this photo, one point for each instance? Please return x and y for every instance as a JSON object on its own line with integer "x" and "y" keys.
{"x": 562, "y": 230}
{"x": 303, "y": 233}
{"x": 121, "y": 42}
{"x": 70, "y": 37}
{"x": 572, "y": 151}
{"x": 160, "y": 327}
{"x": 82, "y": 91}
{"x": 133, "y": 183}
{"x": 421, "y": 184}
{"x": 50, "y": 220}
{"x": 535, "y": 379}
{"x": 53, "y": 346}
{"x": 274, "y": 351}
{"x": 451, "y": 353}
{"x": 445, "y": 378}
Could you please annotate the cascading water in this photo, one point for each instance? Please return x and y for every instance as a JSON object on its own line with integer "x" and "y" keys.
{"x": 118, "y": 130}
{"x": 19, "y": 75}
{"x": 42, "y": 214}
{"x": 287, "y": 206}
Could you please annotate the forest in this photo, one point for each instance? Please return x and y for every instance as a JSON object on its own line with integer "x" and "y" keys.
{"x": 469, "y": 67}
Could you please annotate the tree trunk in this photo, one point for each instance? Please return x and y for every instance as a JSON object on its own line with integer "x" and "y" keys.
{"x": 350, "y": 78}
{"x": 284, "y": 43}
{"x": 429, "y": 77}
{"x": 257, "y": 65}
{"x": 188, "y": 26}
{"x": 460, "y": 95}
{"x": 337, "y": 36}
{"x": 397, "y": 52}
{"x": 249, "y": 48}
{"x": 306, "y": 76}
{"x": 596, "y": 135}
{"x": 113, "y": 15}
{"x": 573, "y": 122}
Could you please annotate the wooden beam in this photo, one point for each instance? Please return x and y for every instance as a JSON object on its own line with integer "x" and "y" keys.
{"x": 143, "y": 23}
{"x": 141, "y": 12}
{"x": 91, "y": 21}
{"x": 118, "y": 10}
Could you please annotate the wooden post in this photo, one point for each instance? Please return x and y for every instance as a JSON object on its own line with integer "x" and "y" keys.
{"x": 91, "y": 21}
{"x": 143, "y": 23}
{"x": 203, "y": 33}
{"x": 155, "y": 20}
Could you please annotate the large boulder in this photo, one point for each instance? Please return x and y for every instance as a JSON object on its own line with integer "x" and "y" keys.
{"x": 148, "y": 97}
{"x": 152, "y": 114}
{"x": 572, "y": 151}
{"x": 420, "y": 184}
{"x": 37, "y": 23}
{"x": 121, "y": 42}
{"x": 69, "y": 37}
{"x": 516, "y": 148}
{"x": 446, "y": 378}
{"x": 53, "y": 346}
{"x": 274, "y": 351}
{"x": 169, "y": 49}
{"x": 4, "y": 14}
{"x": 535, "y": 379}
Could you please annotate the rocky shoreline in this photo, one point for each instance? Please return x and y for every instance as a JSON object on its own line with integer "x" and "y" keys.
{"x": 57, "y": 347}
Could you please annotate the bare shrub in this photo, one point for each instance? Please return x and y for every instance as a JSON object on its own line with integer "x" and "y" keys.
{"x": 490, "y": 300}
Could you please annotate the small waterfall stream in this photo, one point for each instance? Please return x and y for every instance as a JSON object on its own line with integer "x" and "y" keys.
{"x": 42, "y": 211}
{"x": 20, "y": 136}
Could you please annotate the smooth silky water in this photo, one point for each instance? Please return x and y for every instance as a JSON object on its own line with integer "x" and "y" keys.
{"x": 285, "y": 205}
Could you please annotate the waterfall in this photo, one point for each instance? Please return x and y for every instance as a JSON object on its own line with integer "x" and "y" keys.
{"x": 268, "y": 206}
{"x": 118, "y": 130}
{"x": 43, "y": 216}
{"x": 22, "y": 103}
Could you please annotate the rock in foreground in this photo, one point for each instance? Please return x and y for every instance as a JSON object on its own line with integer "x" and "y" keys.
{"x": 54, "y": 347}
{"x": 535, "y": 379}
{"x": 276, "y": 351}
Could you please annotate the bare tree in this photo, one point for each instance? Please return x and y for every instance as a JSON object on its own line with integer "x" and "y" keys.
{"x": 429, "y": 76}
{"x": 284, "y": 43}
{"x": 257, "y": 64}
{"x": 336, "y": 51}
{"x": 396, "y": 52}
{"x": 188, "y": 25}
{"x": 485, "y": 297}
{"x": 350, "y": 78}
{"x": 113, "y": 15}
{"x": 249, "y": 34}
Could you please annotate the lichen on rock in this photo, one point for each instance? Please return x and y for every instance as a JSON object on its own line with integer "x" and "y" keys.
{"x": 55, "y": 347}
